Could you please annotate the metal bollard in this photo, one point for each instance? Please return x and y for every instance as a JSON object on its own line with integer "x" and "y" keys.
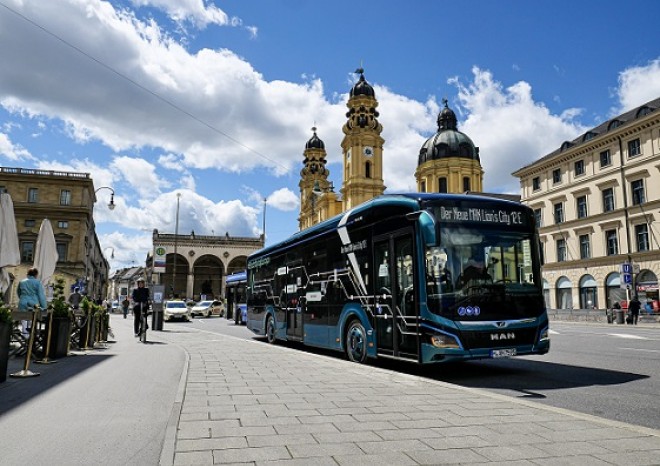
{"x": 26, "y": 372}
{"x": 45, "y": 359}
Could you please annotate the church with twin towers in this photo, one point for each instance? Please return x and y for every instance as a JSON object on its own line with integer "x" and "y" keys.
{"x": 448, "y": 161}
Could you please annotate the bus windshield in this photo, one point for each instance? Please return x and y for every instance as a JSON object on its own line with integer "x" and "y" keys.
{"x": 484, "y": 273}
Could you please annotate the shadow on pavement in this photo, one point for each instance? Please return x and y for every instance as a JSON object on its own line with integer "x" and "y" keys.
{"x": 15, "y": 391}
{"x": 521, "y": 375}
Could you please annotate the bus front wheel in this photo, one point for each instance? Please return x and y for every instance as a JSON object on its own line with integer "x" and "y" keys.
{"x": 270, "y": 330}
{"x": 356, "y": 342}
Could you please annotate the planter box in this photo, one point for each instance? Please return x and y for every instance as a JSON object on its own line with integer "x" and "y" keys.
{"x": 61, "y": 329}
{"x": 91, "y": 324}
{"x": 5, "y": 335}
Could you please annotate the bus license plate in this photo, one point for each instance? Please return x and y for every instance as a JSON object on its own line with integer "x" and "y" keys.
{"x": 503, "y": 353}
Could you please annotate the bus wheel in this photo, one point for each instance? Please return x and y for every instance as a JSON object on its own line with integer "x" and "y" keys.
{"x": 356, "y": 342}
{"x": 270, "y": 330}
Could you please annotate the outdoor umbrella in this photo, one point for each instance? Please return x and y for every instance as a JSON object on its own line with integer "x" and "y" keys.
{"x": 45, "y": 254}
{"x": 9, "y": 253}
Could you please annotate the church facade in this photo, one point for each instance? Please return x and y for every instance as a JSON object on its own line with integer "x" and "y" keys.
{"x": 448, "y": 161}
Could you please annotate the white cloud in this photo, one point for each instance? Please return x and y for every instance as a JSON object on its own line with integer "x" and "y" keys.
{"x": 283, "y": 199}
{"x": 193, "y": 11}
{"x": 140, "y": 175}
{"x": 13, "y": 151}
{"x": 638, "y": 85}
{"x": 509, "y": 127}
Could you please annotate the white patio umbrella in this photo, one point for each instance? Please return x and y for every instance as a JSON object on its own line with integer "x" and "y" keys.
{"x": 45, "y": 253}
{"x": 10, "y": 254}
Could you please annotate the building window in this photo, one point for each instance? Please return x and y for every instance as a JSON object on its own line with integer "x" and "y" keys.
{"x": 642, "y": 237}
{"x": 536, "y": 183}
{"x": 61, "y": 252}
{"x": 634, "y": 148}
{"x": 582, "y": 206}
{"x": 63, "y": 224}
{"x": 637, "y": 190}
{"x": 466, "y": 183}
{"x": 65, "y": 197}
{"x": 612, "y": 243}
{"x": 608, "y": 200}
{"x": 29, "y": 223}
{"x": 422, "y": 186}
{"x": 538, "y": 217}
{"x": 559, "y": 212}
{"x": 605, "y": 159}
{"x": 27, "y": 251}
{"x": 442, "y": 185}
{"x": 561, "y": 250}
{"x": 585, "y": 247}
{"x": 3, "y": 189}
{"x": 556, "y": 176}
{"x": 579, "y": 168}
{"x": 367, "y": 170}
{"x": 33, "y": 195}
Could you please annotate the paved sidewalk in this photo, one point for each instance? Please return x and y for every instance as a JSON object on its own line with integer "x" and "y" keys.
{"x": 246, "y": 402}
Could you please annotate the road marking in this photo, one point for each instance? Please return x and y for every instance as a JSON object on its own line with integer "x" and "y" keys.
{"x": 639, "y": 349}
{"x": 625, "y": 335}
{"x": 553, "y": 332}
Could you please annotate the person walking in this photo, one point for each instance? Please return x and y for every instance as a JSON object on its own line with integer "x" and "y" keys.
{"x": 124, "y": 306}
{"x": 75, "y": 298}
{"x": 634, "y": 308}
{"x": 140, "y": 298}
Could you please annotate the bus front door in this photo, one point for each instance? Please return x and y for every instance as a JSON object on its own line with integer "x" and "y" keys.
{"x": 396, "y": 311}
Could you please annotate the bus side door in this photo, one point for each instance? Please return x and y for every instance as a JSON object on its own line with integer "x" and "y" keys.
{"x": 396, "y": 311}
{"x": 294, "y": 310}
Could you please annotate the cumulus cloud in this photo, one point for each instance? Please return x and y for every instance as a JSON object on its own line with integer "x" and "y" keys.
{"x": 283, "y": 199}
{"x": 638, "y": 85}
{"x": 13, "y": 151}
{"x": 197, "y": 12}
{"x": 509, "y": 127}
{"x": 140, "y": 175}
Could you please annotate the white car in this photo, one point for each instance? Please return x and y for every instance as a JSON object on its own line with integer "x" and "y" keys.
{"x": 176, "y": 310}
{"x": 208, "y": 309}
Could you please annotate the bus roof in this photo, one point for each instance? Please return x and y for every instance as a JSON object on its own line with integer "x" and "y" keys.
{"x": 236, "y": 277}
{"x": 411, "y": 201}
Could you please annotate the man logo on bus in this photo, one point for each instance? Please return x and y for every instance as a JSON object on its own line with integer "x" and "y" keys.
{"x": 469, "y": 311}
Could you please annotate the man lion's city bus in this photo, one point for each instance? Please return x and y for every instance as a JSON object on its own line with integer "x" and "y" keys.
{"x": 420, "y": 277}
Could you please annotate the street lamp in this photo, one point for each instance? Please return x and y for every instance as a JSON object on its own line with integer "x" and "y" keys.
{"x": 263, "y": 229}
{"x": 111, "y": 204}
{"x": 176, "y": 237}
{"x": 88, "y": 246}
{"x": 112, "y": 254}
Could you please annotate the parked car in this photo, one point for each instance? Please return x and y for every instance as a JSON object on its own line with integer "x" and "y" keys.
{"x": 114, "y": 306}
{"x": 208, "y": 309}
{"x": 176, "y": 310}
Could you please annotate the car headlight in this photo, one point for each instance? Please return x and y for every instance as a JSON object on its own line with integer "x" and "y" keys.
{"x": 545, "y": 334}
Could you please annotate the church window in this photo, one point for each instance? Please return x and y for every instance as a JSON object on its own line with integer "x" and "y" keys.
{"x": 466, "y": 183}
{"x": 367, "y": 170}
{"x": 442, "y": 185}
{"x": 422, "y": 186}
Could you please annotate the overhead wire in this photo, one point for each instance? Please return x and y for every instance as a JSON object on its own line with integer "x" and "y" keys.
{"x": 144, "y": 88}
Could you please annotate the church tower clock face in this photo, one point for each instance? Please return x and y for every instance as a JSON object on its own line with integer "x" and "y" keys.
{"x": 368, "y": 151}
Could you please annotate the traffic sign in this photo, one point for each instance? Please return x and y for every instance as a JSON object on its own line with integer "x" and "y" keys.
{"x": 626, "y": 267}
{"x": 627, "y": 278}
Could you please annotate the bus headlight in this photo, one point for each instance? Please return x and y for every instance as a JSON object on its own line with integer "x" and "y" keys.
{"x": 545, "y": 334}
{"x": 445, "y": 341}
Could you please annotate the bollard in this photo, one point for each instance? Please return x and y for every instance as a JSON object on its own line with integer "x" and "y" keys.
{"x": 89, "y": 327}
{"x": 45, "y": 359}
{"x": 100, "y": 344}
{"x": 26, "y": 372}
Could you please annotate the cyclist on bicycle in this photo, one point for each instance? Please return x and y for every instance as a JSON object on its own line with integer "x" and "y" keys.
{"x": 140, "y": 298}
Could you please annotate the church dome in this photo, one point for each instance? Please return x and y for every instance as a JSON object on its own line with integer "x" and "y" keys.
{"x": 314, "y": 142}
{"x": 362, "y": 87}
{"x": 448, "y": 141}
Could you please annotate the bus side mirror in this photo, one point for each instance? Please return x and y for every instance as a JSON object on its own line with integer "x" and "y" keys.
{"x": 426, "y": 224}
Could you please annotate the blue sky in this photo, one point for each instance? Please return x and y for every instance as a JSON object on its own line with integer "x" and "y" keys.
{"x": 215, "y": 99}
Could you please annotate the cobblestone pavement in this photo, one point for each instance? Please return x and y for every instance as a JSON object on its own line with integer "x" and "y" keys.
{"x": 247, "y": 402}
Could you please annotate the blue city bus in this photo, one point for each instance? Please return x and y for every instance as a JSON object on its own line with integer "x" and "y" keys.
{"x": 235, "y": 297}
{"x": 422, "y": 277}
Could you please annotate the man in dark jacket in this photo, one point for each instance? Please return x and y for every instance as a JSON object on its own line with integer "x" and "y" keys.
{"x": 140, "y": 298}
{"x": 633, "y": 308}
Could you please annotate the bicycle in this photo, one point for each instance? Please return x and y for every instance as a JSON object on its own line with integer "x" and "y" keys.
{"x": 143, "y": 322}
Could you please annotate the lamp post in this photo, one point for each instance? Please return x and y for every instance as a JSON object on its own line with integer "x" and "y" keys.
{"x": 263, "y": 229}
{"x": 88, "y": 246}
{"x": 176, "y": 236}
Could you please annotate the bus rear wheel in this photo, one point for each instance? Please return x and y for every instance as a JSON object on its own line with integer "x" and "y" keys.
{"x": 270, "y": 330}
{"x": 356, "y": 342}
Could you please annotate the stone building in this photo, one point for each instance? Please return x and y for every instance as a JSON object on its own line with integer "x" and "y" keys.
{"x": 66, "y": 199}
{"x": 596, "y": 199}
{"x": 189, "y": 266}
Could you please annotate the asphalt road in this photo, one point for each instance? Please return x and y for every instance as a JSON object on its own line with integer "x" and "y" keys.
{"x": 610, "y": 371}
